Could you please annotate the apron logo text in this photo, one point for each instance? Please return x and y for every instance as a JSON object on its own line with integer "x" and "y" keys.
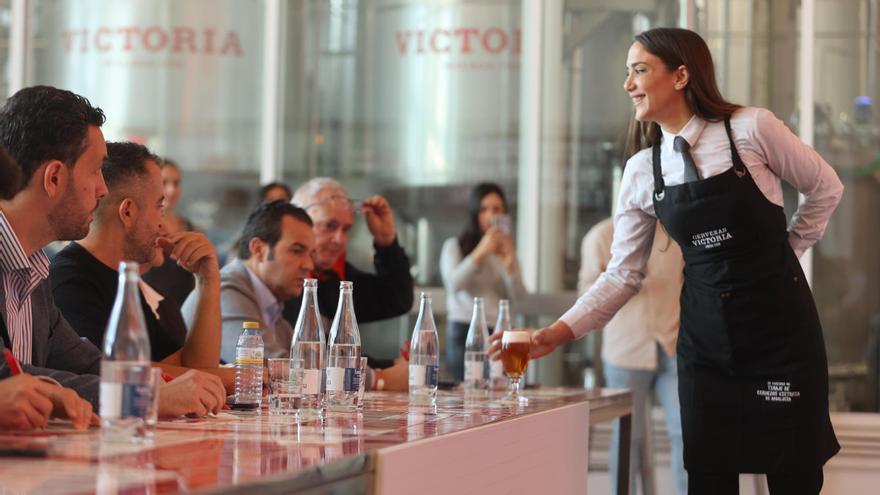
{"x": 711, "y": 239}
{"x": 778, "y": 392}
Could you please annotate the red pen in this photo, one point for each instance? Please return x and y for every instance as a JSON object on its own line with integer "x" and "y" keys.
{"x": 14, "y": 367}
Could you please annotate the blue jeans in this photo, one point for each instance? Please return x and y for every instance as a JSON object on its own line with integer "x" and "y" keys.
{"x": 663, "y": 380}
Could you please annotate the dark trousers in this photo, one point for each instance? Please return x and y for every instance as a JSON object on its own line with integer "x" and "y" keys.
{"x": 456, "y": 334}
{"x": 807, "y": 483}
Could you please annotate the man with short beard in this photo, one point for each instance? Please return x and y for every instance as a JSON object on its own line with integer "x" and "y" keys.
{"x": 25, "y": 401}
{"x": 128, "y": 226}
{"x": 55, "y": 138}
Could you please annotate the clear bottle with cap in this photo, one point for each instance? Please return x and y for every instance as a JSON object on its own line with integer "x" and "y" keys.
{"x": 424, "y": 356}
{"x": 249, "y": 363}
{"x": 309, "y": 345}
{"x": 125, "y": 368}
{"x": 476, "y": 372}
{"x": 497, "y": 380}
{"x": 343, "y": 354}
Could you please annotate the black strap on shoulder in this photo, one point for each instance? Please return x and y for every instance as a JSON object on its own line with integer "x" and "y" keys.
{"x": 659, "y": 185}
{"x": 4, "y": 335}
{"x": 738, "y": 164}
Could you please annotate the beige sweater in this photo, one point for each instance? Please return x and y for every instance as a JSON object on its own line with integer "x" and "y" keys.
{"x": 652, "y": 315}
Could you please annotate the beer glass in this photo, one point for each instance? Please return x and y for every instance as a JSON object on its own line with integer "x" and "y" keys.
{"x": 515, "y": 353}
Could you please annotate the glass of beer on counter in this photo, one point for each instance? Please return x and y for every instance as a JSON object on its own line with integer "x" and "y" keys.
{"x": 515, "y": 354}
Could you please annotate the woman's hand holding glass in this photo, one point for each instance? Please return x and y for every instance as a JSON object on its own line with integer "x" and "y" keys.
{"x": 543, "y": 340}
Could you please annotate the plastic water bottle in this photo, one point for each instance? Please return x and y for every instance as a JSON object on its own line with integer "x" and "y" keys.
{"x": 308, "y": 344}
{"x": 125, "y": 368}
{"x": 424, "y": 356}
{"x": 343, "y": 355}
{"x": 476, "y": 365}
{"x": 249, "y": 364}
{"x": 496, "y": 368}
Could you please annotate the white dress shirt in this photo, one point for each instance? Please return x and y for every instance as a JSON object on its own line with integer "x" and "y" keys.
{"x": 770, "y": 151}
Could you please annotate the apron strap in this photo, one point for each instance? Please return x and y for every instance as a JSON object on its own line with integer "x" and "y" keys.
{"x": 738, "y": 166}
{"x": 659, "y": 185}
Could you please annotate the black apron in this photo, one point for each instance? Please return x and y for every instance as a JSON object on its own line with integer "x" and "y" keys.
{"x": 753, "y": 375}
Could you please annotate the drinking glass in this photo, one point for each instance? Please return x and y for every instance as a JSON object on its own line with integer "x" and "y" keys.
{"x": 515, "y": 354}
{"x": 285, "y": 386}
{"x": 362, "y": 365}
{"x": 152, "y": 418}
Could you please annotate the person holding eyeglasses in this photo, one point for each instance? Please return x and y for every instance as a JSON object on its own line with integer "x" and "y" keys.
{"x": 377, "y": 296}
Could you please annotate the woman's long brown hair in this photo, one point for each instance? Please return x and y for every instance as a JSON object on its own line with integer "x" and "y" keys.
{"x": 677, "y": 47}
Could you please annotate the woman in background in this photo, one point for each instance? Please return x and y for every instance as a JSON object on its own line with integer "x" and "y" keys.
{"x": 169, "y": 279}
{"x": 481, "y": 262}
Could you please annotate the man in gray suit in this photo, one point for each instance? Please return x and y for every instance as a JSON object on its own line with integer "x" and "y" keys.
{"x": 55, "y": 138}
{"x": 274, "y": 257}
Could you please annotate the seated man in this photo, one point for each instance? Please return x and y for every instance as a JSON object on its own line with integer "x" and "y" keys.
{"x": 275, "y": 256}
{"x": 377, "y": 296}
{"x": 55, "y": 139}
{"x": 128, "y": 226}
{"x": 27, "y": 402}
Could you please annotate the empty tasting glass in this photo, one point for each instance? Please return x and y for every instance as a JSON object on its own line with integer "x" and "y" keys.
{"x": 156, "y": 382}
{"x": 285, "y": 386}
{"x": 515, "y": 354}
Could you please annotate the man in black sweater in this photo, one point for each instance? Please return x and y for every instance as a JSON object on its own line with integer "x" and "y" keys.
{"x": 129, "y": 226}
{"x": 377, "y": 296}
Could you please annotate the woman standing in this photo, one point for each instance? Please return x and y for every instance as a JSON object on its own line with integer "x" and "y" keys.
{"x": 481, "y": 262}
{"x": 753, "y": 375}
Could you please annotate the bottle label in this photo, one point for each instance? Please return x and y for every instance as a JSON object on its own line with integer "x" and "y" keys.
{"x": 124, "y": 400}
{"x": 423, "y": 375}
{"x": 474, "y": 370}
{"x": 343, "y": 379}
{"x": 249, "y": 355}
{"x": 352, "y": 379}
{"x": 311, "y": 384}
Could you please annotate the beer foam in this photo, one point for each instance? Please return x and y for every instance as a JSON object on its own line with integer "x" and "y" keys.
{"x": 511, "y": 337}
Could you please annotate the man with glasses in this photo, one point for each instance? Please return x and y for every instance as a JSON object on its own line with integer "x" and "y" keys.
{"x": 377, "y": 296}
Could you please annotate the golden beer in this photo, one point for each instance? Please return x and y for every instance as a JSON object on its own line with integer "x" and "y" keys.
{"x": 515, "y": 352}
